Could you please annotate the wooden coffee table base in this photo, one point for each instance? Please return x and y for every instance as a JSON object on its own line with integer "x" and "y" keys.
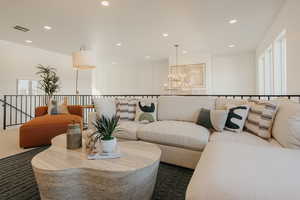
{"x": 69, "y": 175}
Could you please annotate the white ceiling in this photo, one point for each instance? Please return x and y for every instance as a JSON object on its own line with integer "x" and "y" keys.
{"x": 199, "y": 26}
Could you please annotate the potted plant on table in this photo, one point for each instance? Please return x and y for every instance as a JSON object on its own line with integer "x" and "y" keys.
{"x": 105, "y": 128}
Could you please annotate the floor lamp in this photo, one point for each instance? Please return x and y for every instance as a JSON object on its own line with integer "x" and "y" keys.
{"x": 83, "y": 60}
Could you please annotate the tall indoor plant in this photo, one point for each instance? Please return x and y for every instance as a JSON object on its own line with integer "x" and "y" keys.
{"x": 49, "y": 82}
{"x": 105, "y": 128}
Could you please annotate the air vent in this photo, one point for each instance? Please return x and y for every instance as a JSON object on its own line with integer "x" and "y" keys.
{"x": 21, "y": 28}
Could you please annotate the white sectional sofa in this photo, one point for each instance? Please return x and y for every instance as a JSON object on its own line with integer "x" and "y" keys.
{"x": 232, "y": 166}
{"x": 176, "y": 131}
{"x": 244, "y": 166}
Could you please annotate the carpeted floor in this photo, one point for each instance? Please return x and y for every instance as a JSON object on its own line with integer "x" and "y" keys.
{"x": 17, "y": 181}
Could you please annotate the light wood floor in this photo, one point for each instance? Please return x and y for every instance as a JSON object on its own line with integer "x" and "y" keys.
{"x": 9, "y": 143}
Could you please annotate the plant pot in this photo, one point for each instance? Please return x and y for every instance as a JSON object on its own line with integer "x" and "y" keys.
{"x": 108, "y": 146}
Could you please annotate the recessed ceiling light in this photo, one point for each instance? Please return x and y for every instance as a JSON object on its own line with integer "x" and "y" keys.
{"x": 119, "y": 44}
{"x": 233, "y": 21}
{"x": 184, "y": 52}
{"x": 28, "y": 41}
{"x": 47, "y": 27}
{"x": 105, "y": 3}
{"x": 147, "y": 57}
{"x": 231, "y": 46}
{"x": 165, "y": 34}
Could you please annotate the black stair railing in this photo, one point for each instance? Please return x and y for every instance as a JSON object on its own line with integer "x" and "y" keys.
{"x": 18, "y": 109}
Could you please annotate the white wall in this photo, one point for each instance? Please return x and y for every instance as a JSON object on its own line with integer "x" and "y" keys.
{"x": 19, "y": 62}
{"x": 197, "y": 59}
{"x": 288, "y": 18}
{"x": 139, "y": 78}
{"x": 226, "y": 74}
{"x": 234, "y": 74}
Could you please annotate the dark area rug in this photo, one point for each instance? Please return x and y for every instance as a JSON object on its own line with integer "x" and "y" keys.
{"x": 17, "y": 181}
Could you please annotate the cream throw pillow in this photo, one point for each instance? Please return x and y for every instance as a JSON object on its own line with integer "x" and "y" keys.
{"x": 105, "y": 107}
{"x": 236, "y": 119}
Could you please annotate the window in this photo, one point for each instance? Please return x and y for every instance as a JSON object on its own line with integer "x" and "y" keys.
{"x": 268, "y": 71}
{"x": 27, "y": 87}
{"x": 280, "y": 64}
{"x": 272, "y": 68}
{"x": 261, "y": 73}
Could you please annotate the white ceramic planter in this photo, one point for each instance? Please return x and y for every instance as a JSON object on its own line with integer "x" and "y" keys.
{"x": 108, "y": 146}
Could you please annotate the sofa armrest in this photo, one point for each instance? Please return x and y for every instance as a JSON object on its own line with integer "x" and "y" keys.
{"x": 76, "y": 110}
{"x": 40, "y": 111}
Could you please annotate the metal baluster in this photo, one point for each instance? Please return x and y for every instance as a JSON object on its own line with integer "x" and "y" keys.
{"x": 4, "y": 113}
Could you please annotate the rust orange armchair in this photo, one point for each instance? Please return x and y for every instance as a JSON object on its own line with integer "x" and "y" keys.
{"x": 40, "y": 130}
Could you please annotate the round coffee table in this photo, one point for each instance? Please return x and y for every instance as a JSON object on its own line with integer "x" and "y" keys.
{"x": 68, "y": 174}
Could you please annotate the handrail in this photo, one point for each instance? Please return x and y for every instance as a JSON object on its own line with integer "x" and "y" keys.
{"x": 28, "y": 115}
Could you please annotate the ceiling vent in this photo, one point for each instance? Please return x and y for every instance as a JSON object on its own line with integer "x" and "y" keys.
{"x": 21, "y": 28}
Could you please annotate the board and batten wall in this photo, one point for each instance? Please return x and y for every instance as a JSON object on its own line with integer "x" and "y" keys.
{"x": 287, "y": 19}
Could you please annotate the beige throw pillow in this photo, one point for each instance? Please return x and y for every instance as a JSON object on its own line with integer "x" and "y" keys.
{"x": 55, "y": 108}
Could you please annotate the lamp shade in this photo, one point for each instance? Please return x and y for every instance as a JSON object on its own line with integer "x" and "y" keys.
{"x": 84, "y": 59}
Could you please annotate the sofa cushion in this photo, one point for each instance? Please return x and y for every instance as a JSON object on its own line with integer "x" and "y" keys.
{"x": 175, "y": 133}
{"x": 286, "y": 128}
{"x": 245, "y": 172}
{"x": 183, "y": 108}
{"x": 128, "y": 130}
{"x": 223, "y": 103}
{"x": 241, "y": 138}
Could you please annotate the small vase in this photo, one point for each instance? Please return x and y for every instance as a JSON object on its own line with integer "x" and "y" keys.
{"x": 74, "y": 136}
{"x": 108, "y": 146}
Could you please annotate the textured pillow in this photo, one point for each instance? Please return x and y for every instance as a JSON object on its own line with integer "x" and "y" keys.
{"x": 261, "y": 117}
{"x": 236, "y": 119}
{"x": 212, "y": 119}
{"x": 105, "y": 107}
{"x": 55, "y": 108}
{"x": 146, "y": 110}
{"x": 126, "y": 109}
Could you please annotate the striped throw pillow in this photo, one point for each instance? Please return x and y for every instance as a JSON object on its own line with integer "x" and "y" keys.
{"x": 261, "y": 117}
{"x": 132, "y": 109}
{"x": 126, "y": 109}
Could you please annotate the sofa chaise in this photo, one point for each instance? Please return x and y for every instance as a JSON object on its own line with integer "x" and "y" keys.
{"x": 40, "y": 130}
